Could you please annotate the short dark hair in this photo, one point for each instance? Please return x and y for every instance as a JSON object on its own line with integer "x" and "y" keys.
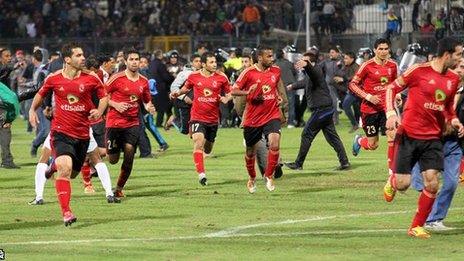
{"x": 201, "y": 45}
{"x": 447, "y": 44}
{"x": 260, "y": 50}
{"x": 55, "y": 53}
{"x": 206, "y": 55}
{"x": 335, "y": 48}
{"x": 194, "y": 56}
{"x": 279, "y": 54}
{"x": 130, "y": 50}
{"x": 351, "y": 55}
{"x": 158, "y": 53}
{"x": 381, "y": 41}
{"x": 38, "y": 55}
{"x": 2, "y": 49}
{"x": 247, "y": 56}
{"x": 92, "y": 62}
{"x": 103, "y": 58}
{"x": 66, "y": 50}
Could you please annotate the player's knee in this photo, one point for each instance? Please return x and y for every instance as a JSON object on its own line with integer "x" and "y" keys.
{"x": 402, "y": 184}
{"x": 112, "y": 159}
{"x": 274, "y": 146}
{"x": 373, "y": 145}
{"x": 432, "y": 185}
{"x": 64, "y": 170}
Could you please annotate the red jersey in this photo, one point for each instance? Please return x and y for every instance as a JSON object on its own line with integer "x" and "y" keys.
{"x": 206, "y": 94}
{"x": 262, "y": 104}
{"x": 121, "y": 89}
{"x": 430, "y": 101}
{"x": 73, "y": 101}
{"x": 374, "y": 79}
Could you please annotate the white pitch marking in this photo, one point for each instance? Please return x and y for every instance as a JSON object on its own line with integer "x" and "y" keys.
{"x": 235, "y": 230}
{"x": 232, "y": 232}
{"x": 104, "y": 240}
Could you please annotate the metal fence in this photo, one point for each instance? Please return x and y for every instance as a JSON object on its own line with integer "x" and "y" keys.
{"x": 92, "y": 45}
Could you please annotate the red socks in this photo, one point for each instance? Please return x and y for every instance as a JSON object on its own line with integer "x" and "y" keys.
{"x": 198, "y": 160}
{"x": 424, "y": 206}
{"x": 392, "y": 180}
{"x": 63, "y": 192}
{"x": 364, "y": 142}
{"x": 391, "y": 155}
{"x": 250, "y": 165}
{"x": 86, "y": 177}
{"x": 272, "y": 160}
{"x": 461, "y": 167}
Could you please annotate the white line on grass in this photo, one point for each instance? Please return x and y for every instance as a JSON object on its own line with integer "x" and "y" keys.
{"x": 107, "y": 240}
{"x": 233, "y": 232}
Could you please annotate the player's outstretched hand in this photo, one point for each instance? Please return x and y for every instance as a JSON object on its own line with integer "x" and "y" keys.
{"x": 398, "y": 100}
{"x": 150, "y": 108}
{"x": 33, "y": 119}
{"x": 374, "y": 99}
{"x": 252, "y": 88}
{"x": 279, "y": 100}
{"x": 174, "y": 95}
{"x": 94, "y": 114}
{"x": 392, "y": 122}
{"x": 224, "y": 99}
{"x": 458, "y": 126}
{"x": 121, "y": 107}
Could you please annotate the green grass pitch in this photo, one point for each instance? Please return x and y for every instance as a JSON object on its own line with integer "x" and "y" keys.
{"x": 316, "y": 213}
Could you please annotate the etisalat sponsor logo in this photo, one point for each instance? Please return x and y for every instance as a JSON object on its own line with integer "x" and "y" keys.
{"x": 440, "y": 96}
{"x": 72, "y": 99}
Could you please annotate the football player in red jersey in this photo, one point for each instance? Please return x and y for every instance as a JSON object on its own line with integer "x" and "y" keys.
{"x": 126, "y": 90}
{"x": 210, "y": 87}
{"x": 432, "y": 87}
{"x": 72, "y": 89}
{"x": 370, "y": 83}
{"x": 262, "y": 114}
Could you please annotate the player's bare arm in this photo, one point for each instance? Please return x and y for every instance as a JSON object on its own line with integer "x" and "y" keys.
{"x": 237, "y": 92}
{"x": 179, "y": 92}
{"x": 97, "y": 113}
{"x": 392, "y": 118}
{"x": 226, "y": 98}
{"x": 150, "y": 108}
{"x": 121, "y": 107}
{"x": 36, "y": 102}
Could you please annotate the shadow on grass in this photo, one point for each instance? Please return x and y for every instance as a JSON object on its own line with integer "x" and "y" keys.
{"x": 81, "y": 223}
{"x": 314, "y": 189}
{"x": 14, "y": 178}
{"x": 227, "y": 182}
{"x": 84, "y": 223}
{"x": 156, "y": 193}
{"x": 27, "y": 164}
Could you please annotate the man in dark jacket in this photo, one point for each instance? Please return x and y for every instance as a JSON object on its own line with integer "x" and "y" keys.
{"x": 163, "y": 80}
{"x": 320, "y": 104}
{"x": 288, "y": 76}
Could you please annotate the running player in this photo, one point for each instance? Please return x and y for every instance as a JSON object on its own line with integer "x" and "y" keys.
{"x": 41, "y": 174}
{"x": 126, "y": 91}
{"x": 210, "y": 87}
{"x": 374, "y": 76}
{"x": 72, "y": 90}
{"x": 432, "y": 87}
{"x": 262, "y": 114}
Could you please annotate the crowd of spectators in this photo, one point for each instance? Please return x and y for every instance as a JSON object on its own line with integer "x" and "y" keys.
{"x": 122, "y": 18}
{"x": 239, "y": 18}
